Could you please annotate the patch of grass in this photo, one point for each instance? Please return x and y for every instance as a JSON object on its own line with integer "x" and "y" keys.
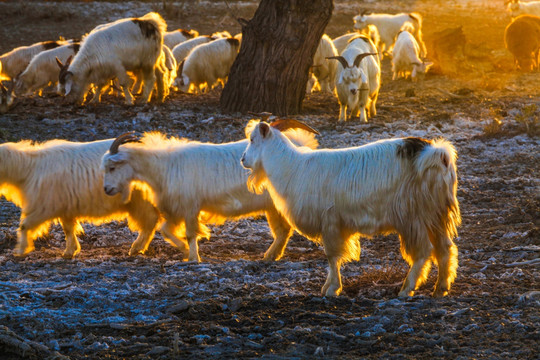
{"x": 494, "y": 127}
{"x": 530, "y": 120}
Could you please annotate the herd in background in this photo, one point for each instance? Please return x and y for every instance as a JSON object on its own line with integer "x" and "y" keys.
{"x": 131, "y": 56}
{"x": 179, "y": 186}
{"x": 138, "y": 56}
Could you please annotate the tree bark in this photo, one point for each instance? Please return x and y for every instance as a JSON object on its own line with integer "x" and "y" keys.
{"x": 278, "y": 44}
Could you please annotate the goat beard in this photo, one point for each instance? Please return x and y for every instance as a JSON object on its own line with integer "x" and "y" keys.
{"x": 256, "y": 182}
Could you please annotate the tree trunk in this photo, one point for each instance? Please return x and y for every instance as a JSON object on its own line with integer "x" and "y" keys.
{"x": 278, "y": 44}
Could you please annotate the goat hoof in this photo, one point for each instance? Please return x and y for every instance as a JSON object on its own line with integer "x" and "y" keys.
{"x": 135, "y": 252}
{"x": 405, "y": 294}
{"x": 271, "y": 257}
{"x": 20, "y": 253}
{"x": 439, "y": 293}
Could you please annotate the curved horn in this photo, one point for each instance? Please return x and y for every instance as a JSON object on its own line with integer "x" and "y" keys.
{"x": 359, "y": 58}
{"x": 341, "y": 59}
{"x": 122, "y": 139}
{"x": 284, "y": 124}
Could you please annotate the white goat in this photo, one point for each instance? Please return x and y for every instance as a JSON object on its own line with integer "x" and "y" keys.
{"x": 404, "y": 185}
{"x": 324, "y": 69}
{"x": 44, "y": 69}
{"x": 406, "y": 58}
{"x": 357, "y": 85}
{"x": 341, "y": 42}
{"x": 194, "y": 183}
{"x": 390, "y": 25}
{"x": 110, "y": 51}
{"x": 6, "y": 97}
{"x": 61, "y": 181}
{"x": 181, "y": 51}
{"x": 207, "y": 64}
{"x": 516, "y": 7}
{"x": 15, "y": 61}
{"x": 175, "y": 37}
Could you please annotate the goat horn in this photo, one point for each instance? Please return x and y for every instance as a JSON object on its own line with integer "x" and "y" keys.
{"x": 341, "y": 59}
{"x": 264, "y": 115}
{"x": 284, "y": 124}
{"x": 360, "y": 57}
{"x": 122, "y": 139}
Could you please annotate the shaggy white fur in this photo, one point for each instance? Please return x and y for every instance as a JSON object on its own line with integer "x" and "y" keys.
{"x": 43, "y": 69}
{"x": 406, "y": 58}
{"x": 406, "y": 186}
{"x": 15, "y": 61}
{"x": 207, "y": 64}
{"x": 194, "y": 183}
{"x": 110, "y": 50}
{"x": 389, "y": 26}
{"x": 357, "y": 85}
{"x": 61, "y": 181}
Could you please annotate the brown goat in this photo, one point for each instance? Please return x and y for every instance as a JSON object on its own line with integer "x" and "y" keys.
{"x": 522, "y": 39}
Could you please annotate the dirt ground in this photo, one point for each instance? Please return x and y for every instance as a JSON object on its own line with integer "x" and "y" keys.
{"x": 105, "y": 304}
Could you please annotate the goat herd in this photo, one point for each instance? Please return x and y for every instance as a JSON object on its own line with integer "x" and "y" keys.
{"x": 332, "y": 196}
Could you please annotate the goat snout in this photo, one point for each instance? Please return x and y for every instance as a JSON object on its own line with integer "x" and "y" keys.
{"x": 109, "y": 190}
{"x": 354, "y": 91}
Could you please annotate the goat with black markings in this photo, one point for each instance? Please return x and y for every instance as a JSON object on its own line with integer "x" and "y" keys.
{"x": 333, "y": 197}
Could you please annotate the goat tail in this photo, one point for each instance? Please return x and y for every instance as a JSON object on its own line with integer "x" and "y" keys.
{"x": 436, "y": 167}
{"x": 156, "y": 20}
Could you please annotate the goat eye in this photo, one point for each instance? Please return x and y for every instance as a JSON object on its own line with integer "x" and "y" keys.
{"x": 111, "y": 169}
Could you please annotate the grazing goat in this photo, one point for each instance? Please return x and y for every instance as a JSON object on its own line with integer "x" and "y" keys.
{"x": 207, "y": 64}
{"x": 516, "y": 8}
{"x": 324, "y": 69}
{"x": 357, "y": 85}
{"x": 175, "y": 37}
{"x": 193, "y": 183}
{"x": 181, "y": 51}
{"x": 389, "y": 26}
{"x": 110, "y": 50}
{"x": 6, "y": 97}
{"x": 522, "y": 39}
{"x": 44, "y": 69}
{"x": 61, "y": 181}
{"x": 15, "y": 61}
{"x": 333, "y": 197}
{"x": 406, "y": 58}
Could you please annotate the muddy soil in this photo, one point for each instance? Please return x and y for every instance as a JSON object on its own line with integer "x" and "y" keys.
{"x": 105, "y": 304}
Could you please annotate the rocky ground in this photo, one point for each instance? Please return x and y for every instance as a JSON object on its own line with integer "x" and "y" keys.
{"x": 105, "y": 304}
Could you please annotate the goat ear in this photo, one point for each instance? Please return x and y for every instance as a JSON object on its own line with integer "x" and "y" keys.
{"x": 264, "y": 130}
{"x": 68, "y": 83}
{"x": 117, "y": 160}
